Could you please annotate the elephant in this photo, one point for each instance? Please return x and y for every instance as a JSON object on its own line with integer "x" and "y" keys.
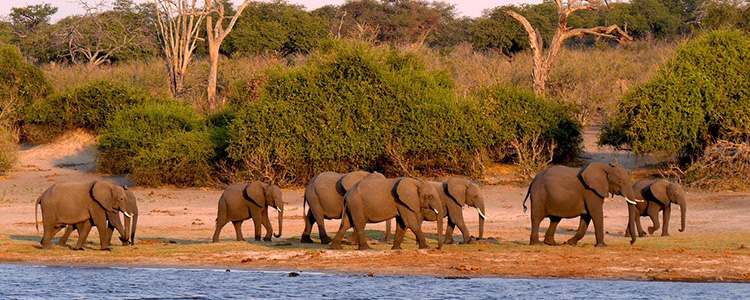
{"x": 325, "y": 195}
{"x": 454, "y": 194}
{"x": 131, "y": 207}
{"x": 659, "y": 195}
{"x": 378, "y": 200}
{"x": 563, "y": 192}
{"x": 75, "y": 203}
{"x": 242, "y": 201}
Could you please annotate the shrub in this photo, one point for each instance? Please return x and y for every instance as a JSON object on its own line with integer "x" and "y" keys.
{"x": 88, "y": 106}
{"x": 355, "y": 107}
{"x": 181, "y": 158}
{"x": 8, "y": 148}
{"x": 700, "y": 96}
{"x": 141, "y": 128}
{"x": 21, "y": 84}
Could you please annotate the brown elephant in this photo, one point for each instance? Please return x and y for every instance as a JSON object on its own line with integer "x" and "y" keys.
{"x": 659, "y": 195}
{"x": 454, "y": 194}
{"x": 378, "y": 200}
{"x": 325, "y": 196}
{"x": 75, "y": 203}
{"x": 562, "y": 192}
{"x": 242, "y": 201}
{"x": 131, "y": 221}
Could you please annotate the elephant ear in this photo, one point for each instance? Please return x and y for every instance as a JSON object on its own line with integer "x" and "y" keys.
{"x": 270, "y": 193}
{"x": 407, "y": 190}
{"x": 594, "y": 177}
{"x": 255, "y": 193}
{"x": 457, "y": 190}
{"x": 102, "y": 193}
{"x": 348, "y": 181}
{"x": 659, "y": 190}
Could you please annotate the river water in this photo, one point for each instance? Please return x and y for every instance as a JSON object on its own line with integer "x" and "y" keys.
{"x": 47, "y": 282}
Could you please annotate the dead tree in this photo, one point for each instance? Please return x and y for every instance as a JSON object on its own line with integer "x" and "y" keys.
{"x": 216, "y": 34}
{"x": 542, "y": 63}
{"x": 179, "y": 24}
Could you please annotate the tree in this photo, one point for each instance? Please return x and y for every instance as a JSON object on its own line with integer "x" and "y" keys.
{"x": 543, "y": 63}
{"x": 216, "y": 35}
{"x": 179, "y": 28}
{"x": 29, "y": 18}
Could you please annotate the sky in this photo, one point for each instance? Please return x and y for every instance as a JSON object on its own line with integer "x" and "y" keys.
{"x": 471, "y": 8}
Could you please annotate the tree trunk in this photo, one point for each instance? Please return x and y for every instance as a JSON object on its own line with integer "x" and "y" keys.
{"x": 539, "y": 76}
{"x": 213, "y": 73}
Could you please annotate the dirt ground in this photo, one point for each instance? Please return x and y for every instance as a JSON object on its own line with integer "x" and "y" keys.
{"x": 176, "y": 226}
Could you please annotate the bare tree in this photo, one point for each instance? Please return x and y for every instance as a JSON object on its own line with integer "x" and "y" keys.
{"x": 216, "y": 34}
{"x": 542, "y": 63}
{"x": 179, "y": 24}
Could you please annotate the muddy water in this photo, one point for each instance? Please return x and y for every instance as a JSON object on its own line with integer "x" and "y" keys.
{"x": 47, "y": 282}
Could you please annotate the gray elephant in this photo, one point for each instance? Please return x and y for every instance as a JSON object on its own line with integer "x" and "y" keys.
{"x": 131, "y": 221}
{"x": 242, "y": 201}
{"x": 74, "y": 203}
{"x": 454, "y": 194}
{"x": 562, "y": 192}
{"x": 378, "y": 200}
{"x": 659, "y": 195}
{"x": 325, "y": 195}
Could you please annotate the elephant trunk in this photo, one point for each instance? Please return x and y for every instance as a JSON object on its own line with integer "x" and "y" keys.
{"x": 440, "y": 218}
{"x": 633, "y": 214}
{"x": 479, "y": 203}
{"x": 683, "y": 209}
{"x": 280, "y": 209}
{"x": 123, "y": 238}
{"x": 132, "y": 230}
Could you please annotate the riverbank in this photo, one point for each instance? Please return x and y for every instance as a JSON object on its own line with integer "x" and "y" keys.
{"x": 176, "y": 226}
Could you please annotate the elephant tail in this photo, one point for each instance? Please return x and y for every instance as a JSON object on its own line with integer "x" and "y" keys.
{"x": 36, "y": 213}
{"x": 528, "y": 193}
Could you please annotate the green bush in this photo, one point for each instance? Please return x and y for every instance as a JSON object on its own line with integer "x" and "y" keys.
{"x": 136, "y": 131}
{"x": 88, "y": 106}
{"x": 355, "y": 107}
{"x": 21, "y": 84}
{"x": 8, "y": 148}
{"x": 700, "y": 96}
{"x": 181, "y": 158}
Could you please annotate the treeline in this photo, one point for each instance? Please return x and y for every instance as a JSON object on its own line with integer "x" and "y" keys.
{"x": 127, "y": 31}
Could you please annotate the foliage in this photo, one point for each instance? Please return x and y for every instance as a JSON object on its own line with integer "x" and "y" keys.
{"x": 88, "y": 106}
{"x": 699, "y": 97}
{"x": 275, "y": 26}
{"x": 724, "y": 165}
{"x": 21, "y": 84}
{"x": 181, "y": 158}
{"x": 144, "y": 133}
{"x": 8, "y": 148}
{"x": 354, "y": 107}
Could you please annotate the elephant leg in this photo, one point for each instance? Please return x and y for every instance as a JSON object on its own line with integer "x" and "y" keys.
{"x": 639, "y": 227}
{"x": 221, "y": 221}
{"x": 64, "y": 239}
{"x": 266, "y": 222}
{"x": 582, "y": 227}
{"x": 536, "y": 219}
{"x": 549, "y": 236}
{"x": 597, "y": 215}
{"x": 238, "y": 230}
{"x": 456, "y": 218}
{"x": 100, "y": 220}
{"x": 653, "y": 213}
{"x": 83, "y": 234}
{"x": 667, "y": 213}
{"x": 413, "y": 224}
{"x": 387, "y": 237}
{"x": 449, "y": 232}
{"x": 345, "y": 225}
{"x": 320, "y": 218}
{"x": 309, "y": 222}
{"x": 400, "y": 231}
{"x": 255, "y": 214}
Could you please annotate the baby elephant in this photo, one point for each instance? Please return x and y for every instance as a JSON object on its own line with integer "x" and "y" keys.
{"x": 242, "y": 201}
{"x": 659, "y": 195}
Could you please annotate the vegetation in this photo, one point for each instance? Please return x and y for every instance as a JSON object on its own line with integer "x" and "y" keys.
{"x": 21, "y": 84}
{"x": 697, "y": 98}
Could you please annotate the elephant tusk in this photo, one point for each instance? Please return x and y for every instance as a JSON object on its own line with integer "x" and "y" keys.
{"x": 127, "y": 214}
{"x": 481, "y": 214}
{"x": 278, "y": 209}
{"x": 632, "y": 201}
{"x": 436, "y": 211}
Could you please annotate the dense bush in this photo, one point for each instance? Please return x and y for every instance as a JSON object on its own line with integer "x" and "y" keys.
{"x": 21, "y": 84}
{"x": 88, "y": 106}
{"x": 162, "y": 143}
{"x": 354, "y": 107}
{"x": 8, "y": 148}
{"x": 700, "y": 96}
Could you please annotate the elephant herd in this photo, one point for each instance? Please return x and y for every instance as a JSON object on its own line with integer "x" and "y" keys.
{"x": 359, "y": 198}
